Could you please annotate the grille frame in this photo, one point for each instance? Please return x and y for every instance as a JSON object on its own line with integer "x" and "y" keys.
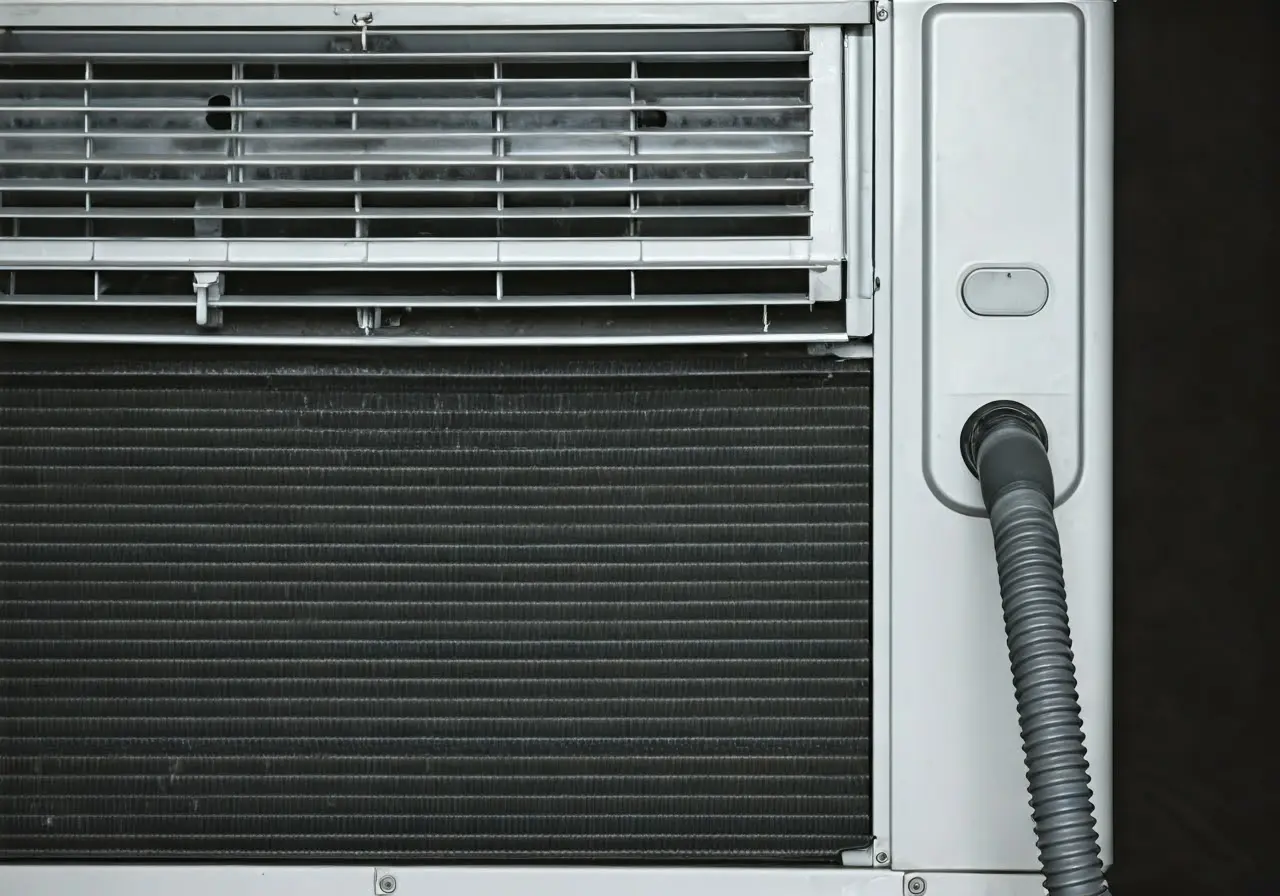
{"x": 807, "y": 249}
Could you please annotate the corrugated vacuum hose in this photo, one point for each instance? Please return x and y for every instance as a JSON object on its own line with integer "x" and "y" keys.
{"x": 1006, "y": 446}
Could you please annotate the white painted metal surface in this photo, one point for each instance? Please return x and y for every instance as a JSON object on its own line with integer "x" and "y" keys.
{"x": 977, "y": 109}
{"x": 1006, "y": 80}
{"x": 224, "y": 880}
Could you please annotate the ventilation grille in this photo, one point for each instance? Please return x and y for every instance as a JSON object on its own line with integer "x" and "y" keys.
{"x": 434, "y": 609}
{"x": 423, "y": 170}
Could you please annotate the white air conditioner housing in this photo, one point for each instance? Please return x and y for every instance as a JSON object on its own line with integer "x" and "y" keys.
{"x": 924, "y": 184}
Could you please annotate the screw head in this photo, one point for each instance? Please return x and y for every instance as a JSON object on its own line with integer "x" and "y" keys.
{"x": 387, "y": 884}
{"x": 882, "y": 13}
{"x": 916, "y": 886}
{"x": 882, "y": 858}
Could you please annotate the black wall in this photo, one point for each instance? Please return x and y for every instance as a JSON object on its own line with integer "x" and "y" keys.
{"x": 1196, "y": 403}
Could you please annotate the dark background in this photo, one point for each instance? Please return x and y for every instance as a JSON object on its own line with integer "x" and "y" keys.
{"x": 1196, "y": 590}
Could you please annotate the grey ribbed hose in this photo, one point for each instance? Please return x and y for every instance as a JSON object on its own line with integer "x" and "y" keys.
{"x": 1034, "y": 598}
{"x": 1007, "y": 449}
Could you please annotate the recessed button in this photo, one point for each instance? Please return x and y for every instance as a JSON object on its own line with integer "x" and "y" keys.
{"x": 1005, "y": 292}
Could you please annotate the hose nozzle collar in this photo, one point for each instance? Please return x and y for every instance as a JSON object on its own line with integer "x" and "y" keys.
{"x": 1005, "y": 444}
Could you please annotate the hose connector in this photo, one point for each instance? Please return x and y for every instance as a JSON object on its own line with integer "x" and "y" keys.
{"x": 1005, "y": 444}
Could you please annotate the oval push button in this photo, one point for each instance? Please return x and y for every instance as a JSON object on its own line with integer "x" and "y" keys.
{"x": 1005, "y": 292}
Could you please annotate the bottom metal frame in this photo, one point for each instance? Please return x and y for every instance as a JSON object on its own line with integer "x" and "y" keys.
{"x": 265, "y": 880}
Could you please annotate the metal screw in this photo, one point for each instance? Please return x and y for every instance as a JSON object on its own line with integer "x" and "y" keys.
{"x": 916, "y": 886}
{"x": 881, "y": 14}
{"x": 882, "y": 858}
{"x": 388, "y": 884}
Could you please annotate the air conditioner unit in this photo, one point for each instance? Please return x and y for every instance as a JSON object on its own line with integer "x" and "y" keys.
{"x": 555, "y": 447}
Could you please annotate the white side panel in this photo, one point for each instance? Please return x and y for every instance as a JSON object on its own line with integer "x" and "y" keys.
{"x": 1002, "y": 162}
{"x": 1002, "y": 156}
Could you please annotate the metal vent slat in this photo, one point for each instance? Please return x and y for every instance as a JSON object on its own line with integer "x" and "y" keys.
{"x": 710, "y": 211}
{"x": 448, "y": 608}
{"x": 479, "y": 185}
{"x": 210, "y": 152}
